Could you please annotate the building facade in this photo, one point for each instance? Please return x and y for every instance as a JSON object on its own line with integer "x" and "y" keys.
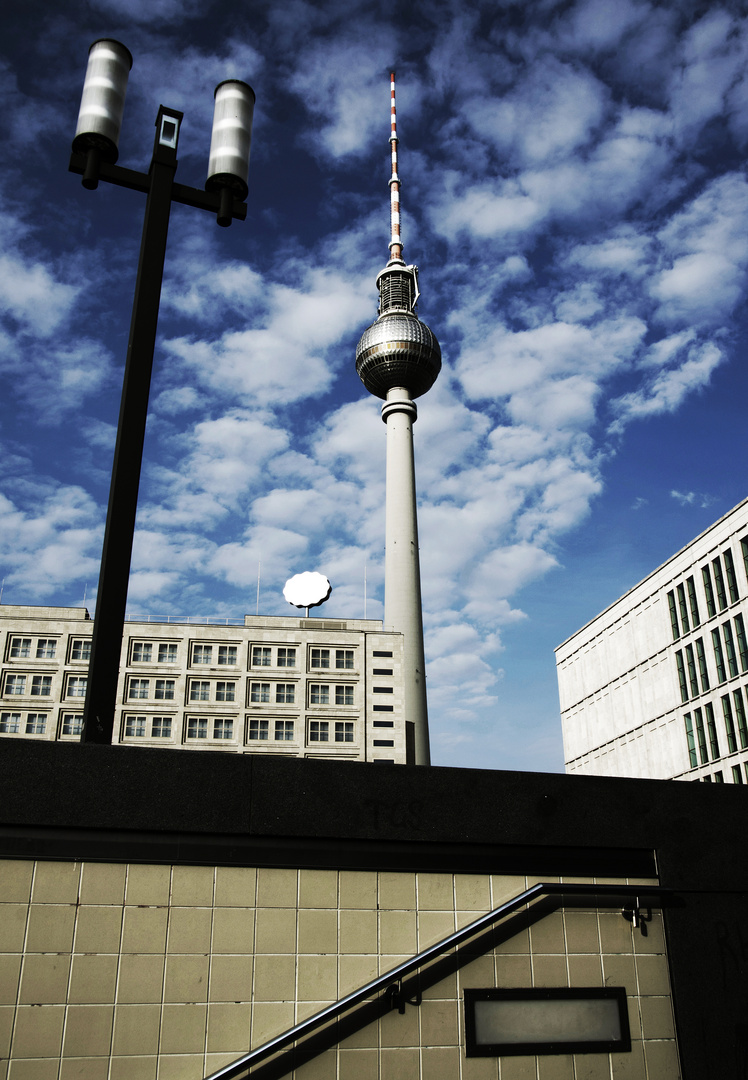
{"x": 657, "y": 684}
{"x": 292, "y": 686}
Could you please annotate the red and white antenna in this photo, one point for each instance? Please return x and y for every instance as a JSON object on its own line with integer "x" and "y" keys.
{"x": 396, "y": 247}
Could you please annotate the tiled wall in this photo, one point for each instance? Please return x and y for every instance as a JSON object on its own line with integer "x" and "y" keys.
{"x": 114, "y": 972}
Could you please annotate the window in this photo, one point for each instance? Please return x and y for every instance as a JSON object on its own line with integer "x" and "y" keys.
{"x": 718, "y": 777}
{"x": 199, "y": 691}
{"x": 261, "y": 657}
{"x": 732, "y": 582}
{"x": 389, "y": 690}
{"x": 732, "y": 743}
{"x": 692, "y": 671}
{"x": 383, "y": 723}
{"x": 36, "y": 723}
{"x": 732, "y": 662}
{"x": 258, "y": 730}
{"x": 384, "y": 742}
{"x": 709, "y": 592}
{"x": 377, "y": 652}
{"x": 343, "y": 731}
{"x": 283, "y": 730}
{"x": 10, "y": 723}
{"x": 702, "y": 665}
{"x": 719, "y": 584}
{"x": 80, "y": 649}
{"x": 691, "y": 586}
{"x": 286, "y": 657}
{"x": 41, "y": 685}
{"x": 72, "y": 724}
{"x": 383, "y": 708}
{"x": 142, "y": 652}
{"x": 284, "y": 693}
{"x": 259, "y": 691}
{"x": 46, "y": 648}
{"x": 742, "y": 645}
{"x": 673, "y": 615}
{"x": 320, "y": 658}
{"x": 167, "y": 653}
{"x": 344, "y": 659}
{"x": 20, "y": 648}
{"x": 343, "y": 695}
{"x": 197, "y": 728}
{"x": 692, "y": 759}
{"x": 139, "y": 688}
{"x": 202, "y": 654}
{"x": 381, "y": 671}
{"x": 15, "y": 684}
{"x": 319, "y": 731}
{"x": 135, "y": 727}
{"x": 737, "y": 776}
{"x": 165, "y": 689}
{"x": 721, "y": 676}
{"x": 701, "y": 736}
{"x": 227, "y": 655}
{"x": 319, "y": 694}
{"x": 161, "y": 727}
{"x": 744, "y": 549}
{"x": 713, "y": 743}
{"x": 225, "y": 691}
{"x": 737, "y": 697}
{"x": 223, "y": 729}
{"x": 683, "y": 609}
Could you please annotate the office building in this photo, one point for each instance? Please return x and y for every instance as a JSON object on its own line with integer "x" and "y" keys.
{"x": 657, "y": 684}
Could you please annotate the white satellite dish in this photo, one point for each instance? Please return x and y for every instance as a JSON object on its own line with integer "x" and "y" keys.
{"x": 307, "y": 590}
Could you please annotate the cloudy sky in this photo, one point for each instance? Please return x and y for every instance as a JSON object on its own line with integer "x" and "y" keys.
{"x": 575, "y": 194}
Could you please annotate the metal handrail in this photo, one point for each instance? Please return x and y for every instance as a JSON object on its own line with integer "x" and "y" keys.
{"x": 638, "y": 893}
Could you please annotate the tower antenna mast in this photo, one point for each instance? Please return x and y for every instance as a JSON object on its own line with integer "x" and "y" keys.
{"x": 396, "y": 247}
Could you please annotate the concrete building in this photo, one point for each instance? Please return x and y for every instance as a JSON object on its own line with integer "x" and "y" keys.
{"x": 657, "y": 684}
{"x": 293, "y": 686}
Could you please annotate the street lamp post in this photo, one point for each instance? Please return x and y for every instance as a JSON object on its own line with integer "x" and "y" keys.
{"x": 94, "y": 157}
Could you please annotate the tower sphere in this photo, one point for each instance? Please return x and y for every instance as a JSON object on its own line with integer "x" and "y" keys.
{"x": 398, "y": 350}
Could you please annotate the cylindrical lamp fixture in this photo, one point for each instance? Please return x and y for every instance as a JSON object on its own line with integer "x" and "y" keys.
{"x": 103, "y": 100}
{"x": 228, "y": 166}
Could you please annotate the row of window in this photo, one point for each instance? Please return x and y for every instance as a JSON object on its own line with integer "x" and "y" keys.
{"x": 725, "y": 658}
{"x": 45, "y": 648}
{"x": 718, "y": 584}
{"x": 737, "y": 775}
{"x": 41, "y": 685}
{"x": 701, "y": 729}
{"x": 36, "y": 723}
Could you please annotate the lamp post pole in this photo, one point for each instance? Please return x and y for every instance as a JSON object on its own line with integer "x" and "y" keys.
{"x": 94, "y": 156}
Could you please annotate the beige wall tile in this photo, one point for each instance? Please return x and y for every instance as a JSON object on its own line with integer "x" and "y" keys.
{"x": 102, "y": 883}
{"x": 44, "y": 979}
{"x": 517, "y": 1068}
{"x": 397, "y": 931}
{"x": 38, "y": 1069}
{"x": 88, "y": 1031}
{"x": 479, "y": 972}
{"x": 473, "y": 892}
{"x": 318, "y": 931}
{"x": 435, "y": 892}
{"x": 228, "y": 1028}
{"x": 84, "y": 1068}
{"x": 615, "y": 933}
{"x": 549, "y": 971}
{"x": 513, "y": 971}
{"x": 10, "y": 970}
{"x": 189, "y": 930}
{"x": 15, "y": 881}
{"x": 662, "y": 1060}
{"x": 148, "y": 885}
{"x": 98, "y": 929}
{"x": 439, "y": 1023}
{"x": 585, "y": 970}
{"x": 517, "y": 943}
{"x": 356, "y": 971}
{"x": 56, "y": 883}
{"x": 581, "y": 932}
{"x": 322, "y": 1067}
{"x": 654, "y": 940}
{"x": 442, "y": 1063}
{"x": 434, "y": 926}
{"x": 505, "y": 887}
{"x": 397, "y": 890}
{"x": 230, "y": 978}
{"x": 270, "y": 1019}
{"x": 186, "y": 979}
{"x": 445, "y": 988}
{"x": 50, "y": 928}
{"x": 38, "y": 1031}
{"x": 7, "y": 1013}
{"x": 136, "y": 1029}
{"x": 13, "y": 927}
{"x": 141, "y": 978}
{"x": 619, "y": 970}
{"x": 317, "y": 978}
{"x": 547, "y": 935}
{"x": 358, "y": 889}
{"x": 133, "y": 1068}
{"x": 276, "y": 888}
{"x": 183, "y": 1029}
{"x": 274, "y": 978}
{"x": 652, "y": 974}
{"x": 235, "y": 886}
{"x": 318, "y": 888}
{"x": 629, "y": 1066}
{"x": 635, "y": 1020}
{"x": 399, "y": 1064}
{"x": 365, "y": 1037}
{"x": 399, "y": 1029}
{"x": 233, "y": 930}
{"x": 657, "y": 1017}
{"x": 275, "y": 930}
{"x": 557, "y": 1067}
{"x": 192, "y": 886}
{"x": 93, "y": 979}
{"x": 480, "y": 1068}
{"x": 144, "y": 930}
{"x": 358, "y": 1065}
{"x": 188, "y": 1066}
{"x": 358, "y": 931}
{"x": 593, "y": 1067}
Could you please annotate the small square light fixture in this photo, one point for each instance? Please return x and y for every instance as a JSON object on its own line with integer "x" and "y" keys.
{"x": 501, "y": 1023}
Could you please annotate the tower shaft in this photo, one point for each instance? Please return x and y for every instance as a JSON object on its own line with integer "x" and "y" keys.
{"x": 402, "y": 591}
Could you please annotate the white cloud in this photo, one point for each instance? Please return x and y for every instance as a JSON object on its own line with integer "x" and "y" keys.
{"x": 666, "y": 391}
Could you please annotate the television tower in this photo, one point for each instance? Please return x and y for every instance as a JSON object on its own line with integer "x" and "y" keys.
{"x": 398, "y": 359}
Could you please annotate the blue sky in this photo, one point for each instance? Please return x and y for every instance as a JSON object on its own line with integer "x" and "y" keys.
{"x": 574, "y": 192}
